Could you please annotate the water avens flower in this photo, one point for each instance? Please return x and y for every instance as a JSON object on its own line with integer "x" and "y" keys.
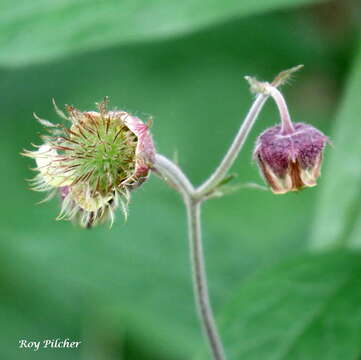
{"x": 289, "y": 155}
{"x": 290, "y": 162}
{"x": 94, "y": 163}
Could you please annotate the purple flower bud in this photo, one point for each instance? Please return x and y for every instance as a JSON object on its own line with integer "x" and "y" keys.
{"x": 290, "y": 161}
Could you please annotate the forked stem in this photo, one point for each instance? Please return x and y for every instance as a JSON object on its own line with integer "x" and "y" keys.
{"x": 193, "y": 199}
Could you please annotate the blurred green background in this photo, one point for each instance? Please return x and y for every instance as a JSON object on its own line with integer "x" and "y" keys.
{"x": 284, "y": 271}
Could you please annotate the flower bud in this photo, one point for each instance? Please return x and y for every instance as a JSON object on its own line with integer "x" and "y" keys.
{"x": 94, "y": 163}
{"x": 290, "y": 161}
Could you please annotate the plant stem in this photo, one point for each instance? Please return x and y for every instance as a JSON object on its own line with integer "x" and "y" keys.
{"x": 174, "y": 176}
{"x": 232, "y": 153}
{"x": 200, "y": 279}
{"x": 286, "y": 126}
{"x": 193, "y": 198}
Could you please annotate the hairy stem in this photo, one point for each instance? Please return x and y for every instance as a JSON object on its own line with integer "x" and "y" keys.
{"x": 286, "y": 126}
{"x": 193, "y": 198}
{"x": 233, "y": 151}
{"x": 174, "y": 176}
{"x": 200, "y": 280}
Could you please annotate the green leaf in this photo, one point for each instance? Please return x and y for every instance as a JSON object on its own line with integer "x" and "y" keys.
{"x": 33, "y": 31}
{"x": 339, "y": 204}
{"x": 308, "y": 308}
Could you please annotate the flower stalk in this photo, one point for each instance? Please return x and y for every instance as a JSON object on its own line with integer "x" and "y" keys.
{"x": 200, "y": 283}
{"x": 221, "y": 171}
{"x": 194, "y": 197}
{"x": 286, "y": 123}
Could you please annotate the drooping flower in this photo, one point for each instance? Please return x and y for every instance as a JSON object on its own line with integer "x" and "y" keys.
{"x": 291, "y": 161}
{"x": 94, "y": 163}
{"x": 289, "y": 155}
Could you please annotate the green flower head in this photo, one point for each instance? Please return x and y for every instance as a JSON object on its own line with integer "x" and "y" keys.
{"x": 94, "y": 163}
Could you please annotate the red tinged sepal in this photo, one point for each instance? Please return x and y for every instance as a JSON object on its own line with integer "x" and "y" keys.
{"x": 291, "y": 161}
